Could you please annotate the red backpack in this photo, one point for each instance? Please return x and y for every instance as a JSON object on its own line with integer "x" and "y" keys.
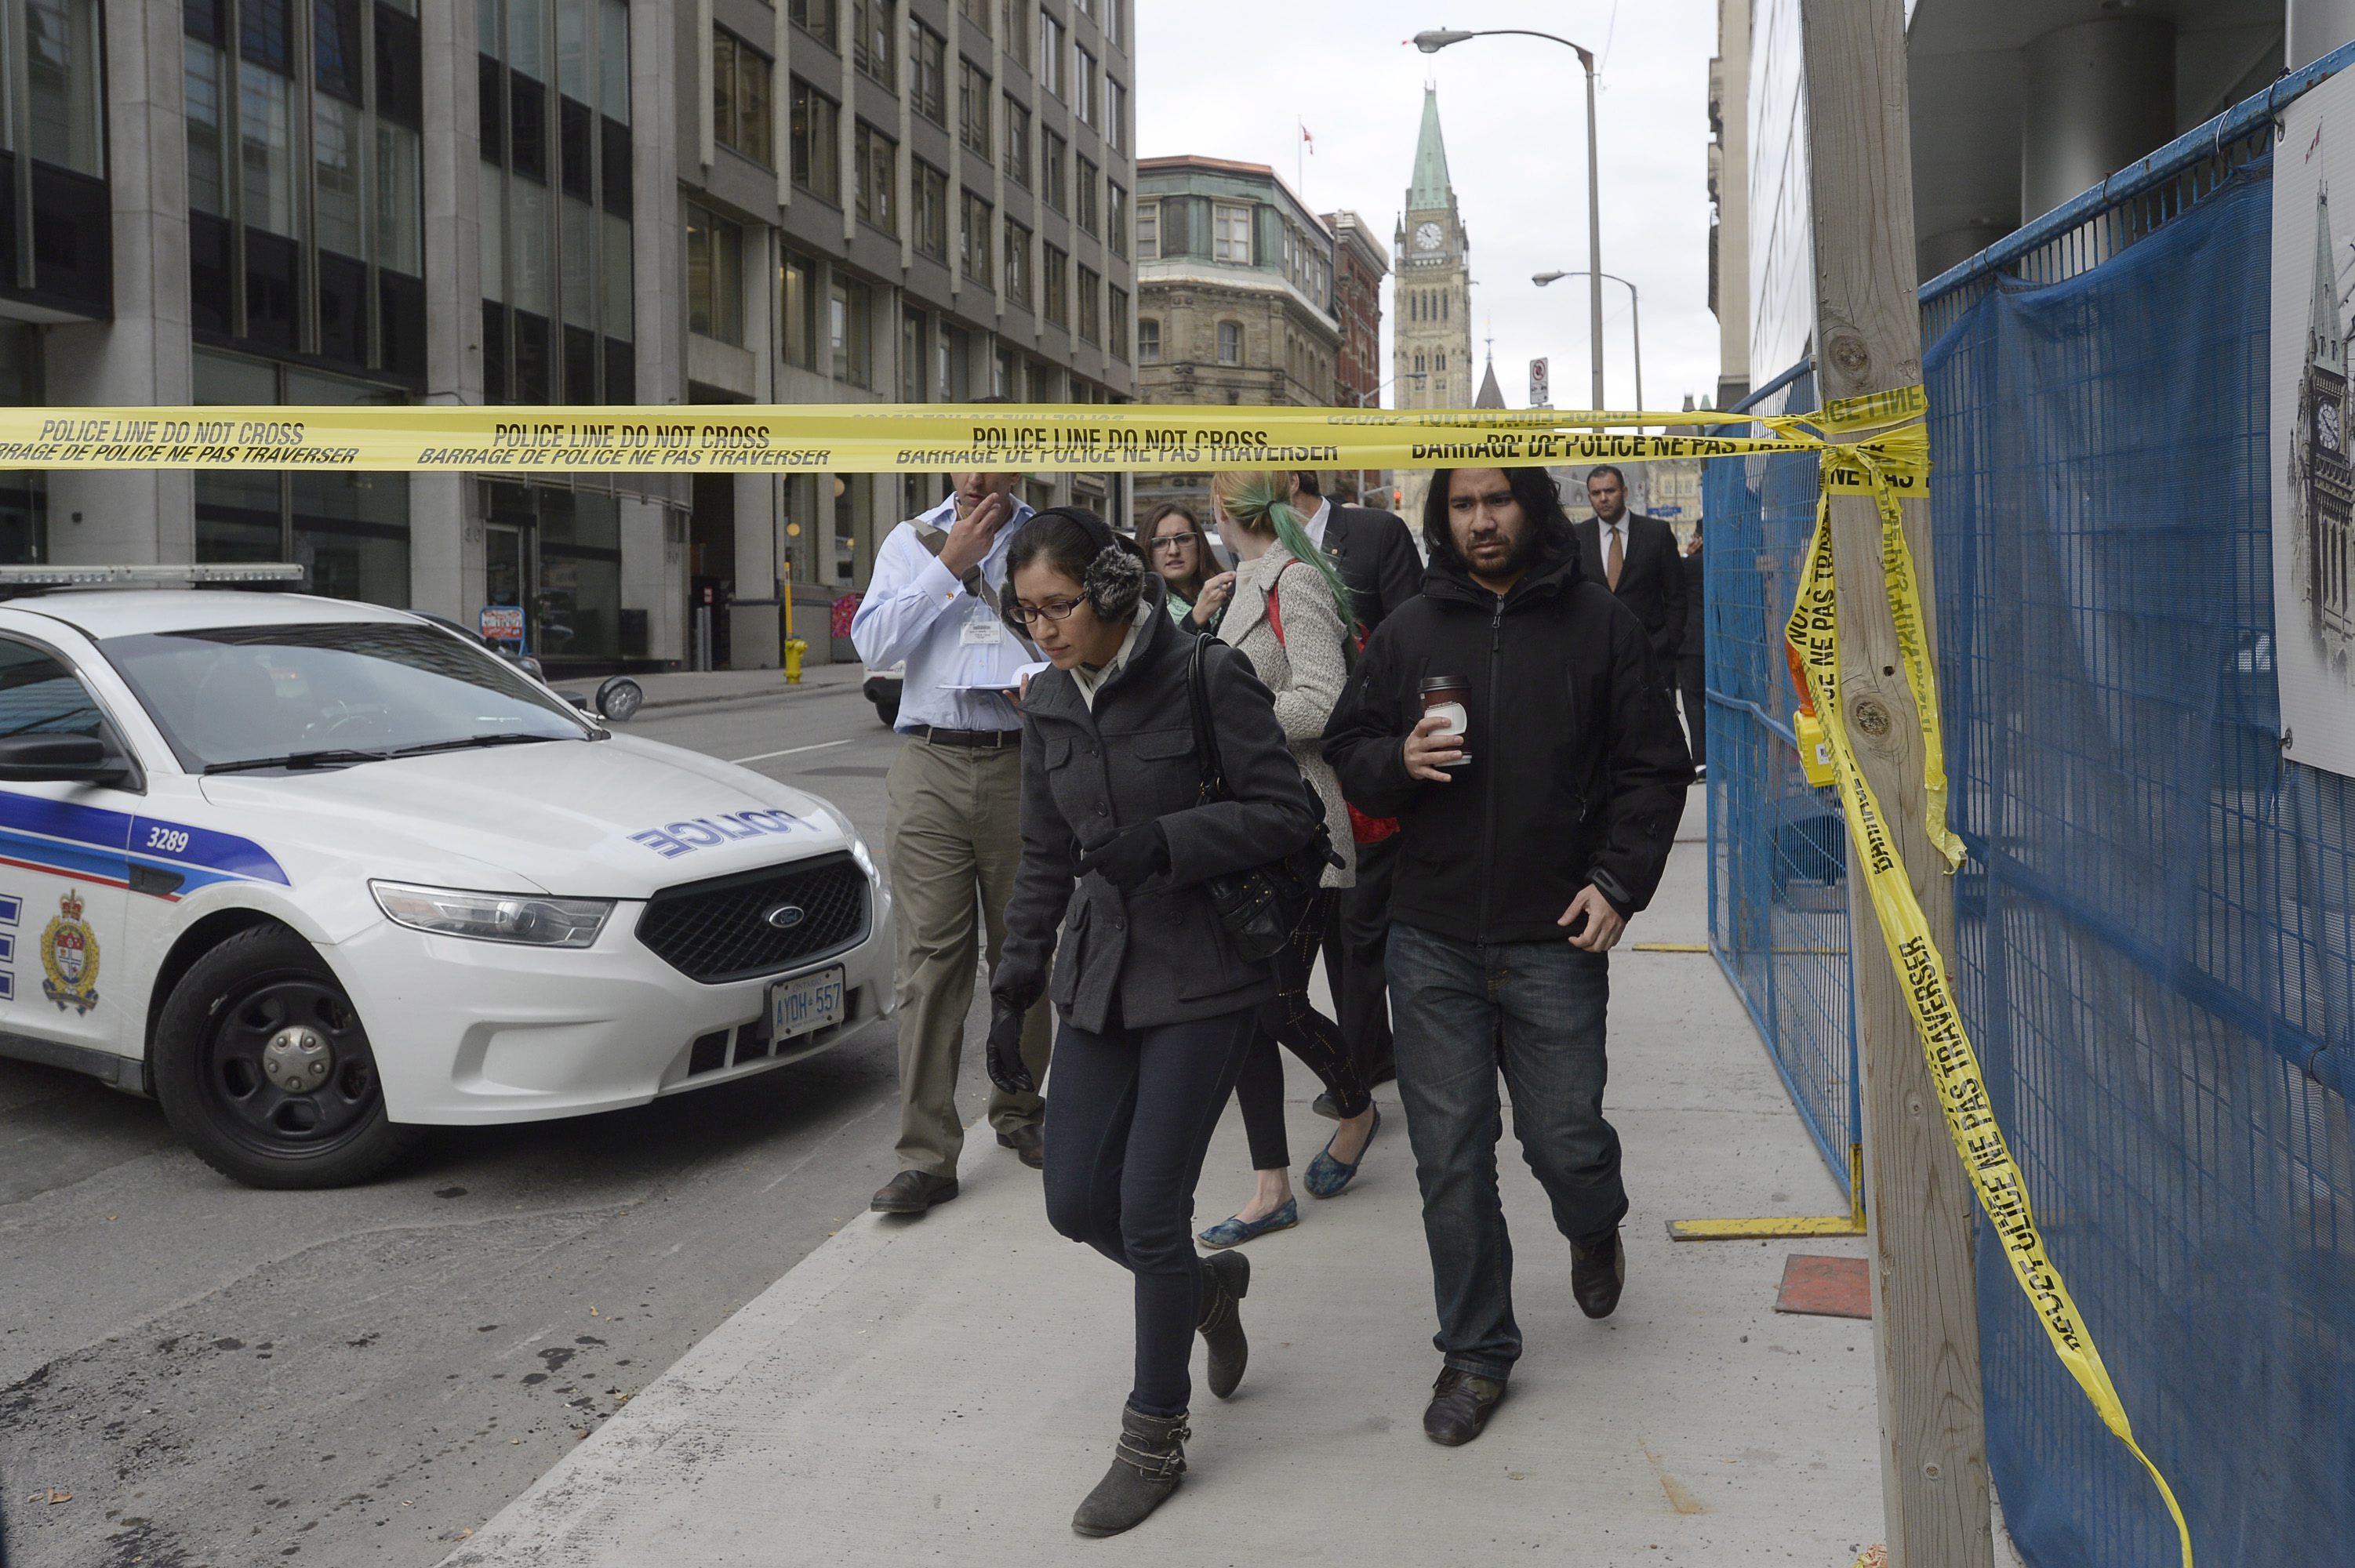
{"x": 1363, "y": 828}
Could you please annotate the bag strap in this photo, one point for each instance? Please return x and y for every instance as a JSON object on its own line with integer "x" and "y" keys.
{"x": 1352, "y": 644}
{"x": 1206, "y": 737}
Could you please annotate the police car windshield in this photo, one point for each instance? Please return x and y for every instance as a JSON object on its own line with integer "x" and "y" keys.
{"x": 353, "y": 690}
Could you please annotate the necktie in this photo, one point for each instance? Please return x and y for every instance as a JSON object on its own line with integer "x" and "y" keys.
{"x": 1612, "y": 562}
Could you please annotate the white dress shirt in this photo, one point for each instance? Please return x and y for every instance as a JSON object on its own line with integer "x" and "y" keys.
{"x": 917, "y": 610}
{"x": 1312, "y": 524}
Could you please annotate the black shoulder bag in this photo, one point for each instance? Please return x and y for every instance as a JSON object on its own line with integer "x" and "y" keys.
{"x": 1263, "y": 906}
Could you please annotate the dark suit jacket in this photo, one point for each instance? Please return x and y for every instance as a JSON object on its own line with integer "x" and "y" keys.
{"x": 1696, "y": 641}
{"x": 1377, "y": 558}
{"x": 1651, "y": 580}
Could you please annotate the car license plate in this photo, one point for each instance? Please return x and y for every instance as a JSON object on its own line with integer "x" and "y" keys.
{"x": 805, "y": 1003}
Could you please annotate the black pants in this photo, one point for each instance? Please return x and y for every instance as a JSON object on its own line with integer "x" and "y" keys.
{"x": 1292, "y": 1021}
{"x": 1354, "y": 941}
{"x": 1691, "y": 684}
{"x": 1127, "y": 1125}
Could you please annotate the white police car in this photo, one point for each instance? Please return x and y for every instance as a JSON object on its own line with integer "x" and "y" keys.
{"x": 315, "y": 874}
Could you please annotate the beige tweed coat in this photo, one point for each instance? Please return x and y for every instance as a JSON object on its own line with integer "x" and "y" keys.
{"x": 1307, "y": 670}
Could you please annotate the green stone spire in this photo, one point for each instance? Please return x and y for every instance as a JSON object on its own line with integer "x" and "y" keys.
{"x": 1431, "y": 181}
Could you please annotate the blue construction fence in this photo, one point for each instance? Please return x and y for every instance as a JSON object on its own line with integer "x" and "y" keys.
{"x": 2156, "y": 925}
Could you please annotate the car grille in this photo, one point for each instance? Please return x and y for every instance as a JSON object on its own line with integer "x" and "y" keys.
{"x": 717, "y": 930}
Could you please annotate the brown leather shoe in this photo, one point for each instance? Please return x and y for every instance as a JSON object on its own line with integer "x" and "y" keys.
{"x": 1597, "y": 1274}
{"x": 1460, "y": 1406}
{"x": 1028, "y": 1143}
{"x": 912, "y": 1193}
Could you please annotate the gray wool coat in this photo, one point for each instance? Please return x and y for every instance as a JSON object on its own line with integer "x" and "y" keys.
{"x": 1158, "y": 955}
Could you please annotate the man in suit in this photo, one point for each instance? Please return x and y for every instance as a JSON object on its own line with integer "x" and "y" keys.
{"x": 1692, "y": 669}
{"x": 1636, "y": 557}
{"x": 1377, "y": 559}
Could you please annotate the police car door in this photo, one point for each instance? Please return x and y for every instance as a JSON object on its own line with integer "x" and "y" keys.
{"x": 64, "y": 877}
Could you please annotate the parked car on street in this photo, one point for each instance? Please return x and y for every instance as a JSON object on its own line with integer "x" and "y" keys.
{"x": 317, "y": 874}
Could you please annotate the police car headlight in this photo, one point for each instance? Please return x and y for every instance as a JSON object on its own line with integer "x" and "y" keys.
{"x": 493, "y": 916}
{"x": 858, "y": 845}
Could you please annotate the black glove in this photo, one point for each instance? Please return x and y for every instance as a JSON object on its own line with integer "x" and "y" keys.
{"x": 1129, "y": 857}
{"x": 1008, "y": 1009}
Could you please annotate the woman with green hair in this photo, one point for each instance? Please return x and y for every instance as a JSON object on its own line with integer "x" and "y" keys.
{"x": 1290, "y": 615}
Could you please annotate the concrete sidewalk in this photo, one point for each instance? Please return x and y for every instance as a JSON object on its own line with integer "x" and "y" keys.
{"x": 946, "y": 1390}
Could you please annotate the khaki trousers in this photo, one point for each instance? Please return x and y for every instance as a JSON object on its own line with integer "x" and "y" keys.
{"x": 953, "y": 841}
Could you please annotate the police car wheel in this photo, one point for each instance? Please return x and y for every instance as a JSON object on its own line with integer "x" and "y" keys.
{"x": 264, "y": 1068}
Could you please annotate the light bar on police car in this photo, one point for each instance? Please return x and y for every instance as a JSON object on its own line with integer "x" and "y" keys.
{"x": 521, "y": 917}
{"x": 150, "y": 575}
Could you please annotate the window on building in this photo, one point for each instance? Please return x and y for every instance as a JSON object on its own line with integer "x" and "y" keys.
{"x": 65, "y": 76}
{"x": 1148, "y": 231}
{"x": 851, "y": 317}
{"x": 1017, "y": 142}
{"x": 1054, "y": 157}
{"x": 927, "y": 69}
{"x": 1050, "y": 52}
{"x": 1116, "y": 126}
{"x": 875, "y": 167}
{"x": 816, "y": 127}
{"x": 1084, "y": 86}
{"x": 817, "y": 17}
{"x": 1230, "y": 343}
{"x": 1055, "y": 270}
{"x": 1017, "y": 263}
{"x": 1148, "y": 341}
{"x": 1231, "y": 233}
{"x": 1116, "y": 310}
{"x": 1016, "y": 15}
{"x": 875, "y": 39}
{"x": 1091, "y": 306}
{"x": 1115, "y": 22}
{"x": 974, "y": 241}
{"x": 972, "y": 106}
{"x": 715, "y": 276}
{"x": 1085, "y": 212}
{"x": 797, "y": 308}
{"x": 911, "y": 355}
{"x": 976, "y": 14}
{"x": 1117, "y": 213}
{"x": 740, "y": 85}
{"x": 930, "y": 191}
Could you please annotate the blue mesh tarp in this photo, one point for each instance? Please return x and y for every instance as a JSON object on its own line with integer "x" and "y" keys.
{"x": 1778, "y": 882}
{"x": 2153, "y": 944}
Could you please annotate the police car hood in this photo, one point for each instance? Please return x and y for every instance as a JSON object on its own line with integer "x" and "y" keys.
{"x": 620, "y": 817}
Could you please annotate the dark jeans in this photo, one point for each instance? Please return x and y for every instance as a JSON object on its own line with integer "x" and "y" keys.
{"x": 1535, "y": 1010}
{"x": 1292, "y": 1021}
{"x": 1354, "y": 940}
{"x": 1126, "y": 1127}
{"x": 1691, "y": 684}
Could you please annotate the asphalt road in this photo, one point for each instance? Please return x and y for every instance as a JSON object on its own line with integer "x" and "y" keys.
{"x": 199, "y": 1375}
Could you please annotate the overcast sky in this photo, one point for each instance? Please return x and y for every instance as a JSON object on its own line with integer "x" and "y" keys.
{"x": 1236, "y": 79}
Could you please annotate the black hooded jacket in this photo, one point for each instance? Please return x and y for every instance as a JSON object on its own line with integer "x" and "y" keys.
{"x": 1578, "y": 766}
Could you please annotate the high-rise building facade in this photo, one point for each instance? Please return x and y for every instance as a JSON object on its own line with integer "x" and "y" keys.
{"x": 1359, "y": 265}
{"x": 561, "y": 201}
{"x": 1430, "y": 293}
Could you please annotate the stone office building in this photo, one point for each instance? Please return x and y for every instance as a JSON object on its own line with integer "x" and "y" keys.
{"x": 554, "y": 201}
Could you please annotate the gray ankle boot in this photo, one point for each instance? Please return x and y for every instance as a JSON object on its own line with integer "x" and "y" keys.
{"x": 1145, "y": 1465}
{"x": 1226, "y": 1280}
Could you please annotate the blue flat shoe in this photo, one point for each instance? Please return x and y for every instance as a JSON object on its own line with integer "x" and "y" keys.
{"x": 1326, "y": 1176}
{"x": 1231, "y": 1232}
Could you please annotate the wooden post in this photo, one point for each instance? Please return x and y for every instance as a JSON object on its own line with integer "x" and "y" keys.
{"x": 1867, "y": 338}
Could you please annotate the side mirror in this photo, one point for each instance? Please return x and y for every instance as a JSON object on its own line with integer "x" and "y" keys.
{"x": 58, "y": 760}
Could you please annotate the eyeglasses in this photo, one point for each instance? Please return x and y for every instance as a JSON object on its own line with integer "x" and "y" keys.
{"x": 1171, "y": 541}
{"x": 1053, "y": 610}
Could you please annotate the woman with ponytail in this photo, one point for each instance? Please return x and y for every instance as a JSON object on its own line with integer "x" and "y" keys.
{"x": 1290, "y": 616}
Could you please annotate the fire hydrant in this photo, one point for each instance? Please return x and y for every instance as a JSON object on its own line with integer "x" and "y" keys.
{"x": 795, "y": 649}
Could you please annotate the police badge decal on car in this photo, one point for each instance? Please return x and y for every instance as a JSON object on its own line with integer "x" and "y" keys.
{"x": 69, "y": 957}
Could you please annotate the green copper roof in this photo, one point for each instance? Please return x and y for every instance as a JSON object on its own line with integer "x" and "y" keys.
{"x": 1431, "y": 181}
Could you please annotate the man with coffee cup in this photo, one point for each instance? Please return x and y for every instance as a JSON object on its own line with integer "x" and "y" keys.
{"x": 1514, "y": 718}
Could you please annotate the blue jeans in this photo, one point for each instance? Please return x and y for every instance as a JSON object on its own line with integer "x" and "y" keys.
{"x": 1459, "y": 1011}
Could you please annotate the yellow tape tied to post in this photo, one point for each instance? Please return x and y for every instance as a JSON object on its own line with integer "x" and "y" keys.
{"x": 1986, "y": 1157}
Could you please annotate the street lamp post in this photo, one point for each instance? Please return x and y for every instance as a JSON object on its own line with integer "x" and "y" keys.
{"x": 1431, "y": 41}
{"x": 1635, "y": 314}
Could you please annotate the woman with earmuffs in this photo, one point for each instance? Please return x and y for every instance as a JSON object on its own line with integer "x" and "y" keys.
{"x": 1157, "y": 1007}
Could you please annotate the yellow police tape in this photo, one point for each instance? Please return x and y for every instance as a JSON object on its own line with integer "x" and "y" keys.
{"x": 918, "y": 438}
{"x": 1986, "y": 1158}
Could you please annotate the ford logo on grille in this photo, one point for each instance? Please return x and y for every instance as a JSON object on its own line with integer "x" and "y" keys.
{"x": 784, "y": 916}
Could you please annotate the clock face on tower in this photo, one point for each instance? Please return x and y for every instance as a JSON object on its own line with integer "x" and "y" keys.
{"x": 2326, "y": 428}
{"x": 1426, "y": 237}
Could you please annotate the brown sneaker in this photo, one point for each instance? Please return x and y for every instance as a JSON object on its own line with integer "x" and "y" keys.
{"x": 1460, "y": 1406}
{"x": 912, "y": 1193}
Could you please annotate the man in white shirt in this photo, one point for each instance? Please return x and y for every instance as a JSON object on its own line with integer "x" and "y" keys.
{"x": 954, "y": 836}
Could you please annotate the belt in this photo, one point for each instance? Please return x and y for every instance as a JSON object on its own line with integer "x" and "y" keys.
{"x": 974, "y": 740}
